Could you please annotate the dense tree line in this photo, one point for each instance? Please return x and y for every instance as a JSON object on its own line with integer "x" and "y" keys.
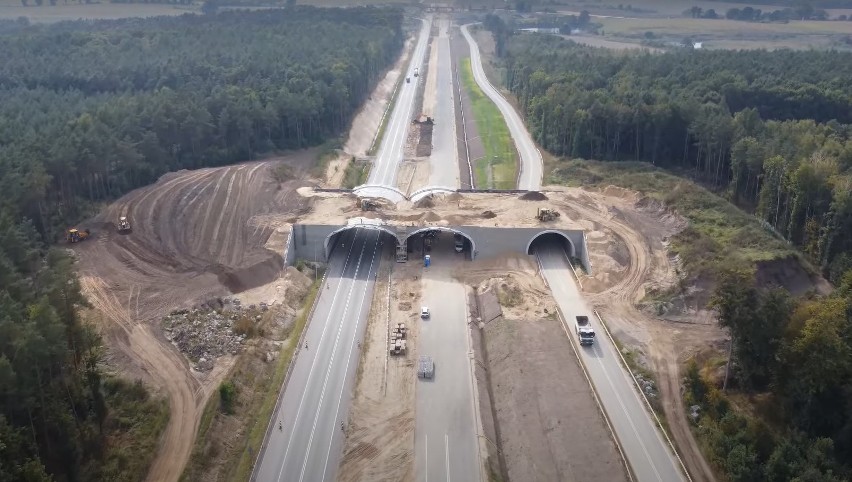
{"x": 89, "y": 110}
{"x": 800, "y": 350}
{"x": 771, "y": 129}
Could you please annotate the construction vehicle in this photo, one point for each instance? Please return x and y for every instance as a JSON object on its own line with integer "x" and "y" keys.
{"x": 369, "y": 204}
{"x": 124, "y": 225}
{"x": 585, "y": 332}
{"x": 459, "y": 242}
{"x": 398, "y": 344}
{"x": 426, "y": 367}
{"x": 401, "y": 252}
{"x": 545, "y": 214}
{"x": 75, "y": 235}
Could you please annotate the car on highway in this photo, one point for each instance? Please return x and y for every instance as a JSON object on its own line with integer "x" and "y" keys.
{"x": 426, "y": 367}
{"x": 424, "y": 312}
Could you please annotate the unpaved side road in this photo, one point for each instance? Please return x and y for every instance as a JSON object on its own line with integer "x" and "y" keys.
{"x": 197, "y": 235}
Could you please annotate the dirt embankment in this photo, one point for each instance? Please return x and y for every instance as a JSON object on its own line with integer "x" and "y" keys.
{"x": 545, "y": 418}
{"x": 197, "y": 235}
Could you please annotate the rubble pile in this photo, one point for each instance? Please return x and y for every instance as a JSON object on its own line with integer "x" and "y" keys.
{"x": 203, "y": 335}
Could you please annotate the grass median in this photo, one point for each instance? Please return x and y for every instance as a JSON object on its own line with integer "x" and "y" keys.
{"x": 498, "y": 168}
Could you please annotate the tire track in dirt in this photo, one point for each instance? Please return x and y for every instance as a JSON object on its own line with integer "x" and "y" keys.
{"x": 180, "y": 253}
{"x": 618, "y": 305}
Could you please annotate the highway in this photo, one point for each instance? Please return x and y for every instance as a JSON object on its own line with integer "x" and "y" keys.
{"x": 309, "y": 443}
{"x": 390, "y": 152}
{"x": 444, "y": 158}
{"x": 531, "y": 163}
{"x": 445, "y": 444}
{"x": 648, "y": 454}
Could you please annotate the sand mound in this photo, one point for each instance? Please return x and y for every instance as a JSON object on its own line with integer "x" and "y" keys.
{"x": 455, "y": 197}
{"x": 533, "y": 196}
{"x": 426, "y": 202}
{"x": 488, "y": 215}
{"x": 619, "y": 192}
{"x": 431, "y": 216}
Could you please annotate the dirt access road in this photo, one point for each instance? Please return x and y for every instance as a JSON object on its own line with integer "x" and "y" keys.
{"x": 197, "y": 235}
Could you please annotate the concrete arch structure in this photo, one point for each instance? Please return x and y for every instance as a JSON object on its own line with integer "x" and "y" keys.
{"x": 423, "y": 192}
{"x": 448, "y": 230}
{"x": 336, "y": 232}
{"x": 390, "y": 193}
{"x": 573, "y": 252}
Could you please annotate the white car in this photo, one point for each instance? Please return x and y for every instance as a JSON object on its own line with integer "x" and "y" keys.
{"x": 424, "y": 312}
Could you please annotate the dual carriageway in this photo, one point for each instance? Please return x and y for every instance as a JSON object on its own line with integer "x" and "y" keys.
{"x": 305, "y": 436}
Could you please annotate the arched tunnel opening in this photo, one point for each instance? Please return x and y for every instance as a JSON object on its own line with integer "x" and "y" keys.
{"x": 338, "y": 241}
{"x": 551, "y": 240}
{"x": 440, "y": 240}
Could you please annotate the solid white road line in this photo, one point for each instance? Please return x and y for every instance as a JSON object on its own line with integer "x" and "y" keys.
{"x": 331, "y": 362}
{"x": 351, "y": 349}
{"x": 316, "y": 357}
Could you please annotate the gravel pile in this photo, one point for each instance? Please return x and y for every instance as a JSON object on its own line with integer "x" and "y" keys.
{"x": 204, "y": 335}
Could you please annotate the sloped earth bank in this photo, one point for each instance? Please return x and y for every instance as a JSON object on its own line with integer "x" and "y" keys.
{"x": 197, "y": 235}
{"x": 366, "y": 123}
{"x": 542, "y": 409}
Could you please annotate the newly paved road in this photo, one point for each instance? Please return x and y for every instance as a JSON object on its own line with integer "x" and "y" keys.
{"x": 445, "y": 435}
{"x": 310, "y": 442}
{"x": 390, "y": 152}
{"x": 531, "y": 163}
{"x": 444, "y": 160}
{"x": 648, "y": 454}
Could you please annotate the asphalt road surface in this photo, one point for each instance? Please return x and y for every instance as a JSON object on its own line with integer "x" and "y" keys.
{"x": 390, "y": 152}
{"x": 309, "y": 442}
{"x": 445, "y": 441}
{"x": 648, "y": 454}
{"x": 531, "y": 164}
{"x": 444, "y": 161}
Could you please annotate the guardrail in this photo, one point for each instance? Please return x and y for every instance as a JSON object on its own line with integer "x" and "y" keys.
{"x": 287, "y": 378}
{"x": 605, "y": 415}
{"x": 645, "y": 398}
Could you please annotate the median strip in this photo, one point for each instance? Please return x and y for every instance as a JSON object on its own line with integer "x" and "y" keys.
{"x": 498, "y": 167}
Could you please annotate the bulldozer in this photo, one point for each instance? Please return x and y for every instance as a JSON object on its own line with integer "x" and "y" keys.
{"x": 545, "y": 214}
{"x": 369, "y": 204}
{"x": 124, "y": 225}
{"x": 75, "y": 235}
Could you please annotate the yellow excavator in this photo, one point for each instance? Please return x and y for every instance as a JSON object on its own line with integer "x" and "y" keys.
{"x": 75, "y": 235}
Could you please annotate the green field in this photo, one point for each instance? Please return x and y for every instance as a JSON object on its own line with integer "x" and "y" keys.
{"x": 97, "y": 11}
{"x": 498, "y": 168}
{"x": 669, "y": 7}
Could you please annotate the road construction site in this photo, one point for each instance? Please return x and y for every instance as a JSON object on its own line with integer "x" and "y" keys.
{"x": 350, "y": 410}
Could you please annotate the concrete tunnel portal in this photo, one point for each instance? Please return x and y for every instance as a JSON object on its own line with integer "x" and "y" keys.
{"x": 551, "y": 236}
{"x": 400, "y": 238}
{"x": 317, "y": 241}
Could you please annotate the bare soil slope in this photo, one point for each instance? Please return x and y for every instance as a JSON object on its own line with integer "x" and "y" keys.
{"x": 197, "y": 235}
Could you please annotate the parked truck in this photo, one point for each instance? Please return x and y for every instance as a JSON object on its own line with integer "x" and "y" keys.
{"x": 585, "y": 332}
